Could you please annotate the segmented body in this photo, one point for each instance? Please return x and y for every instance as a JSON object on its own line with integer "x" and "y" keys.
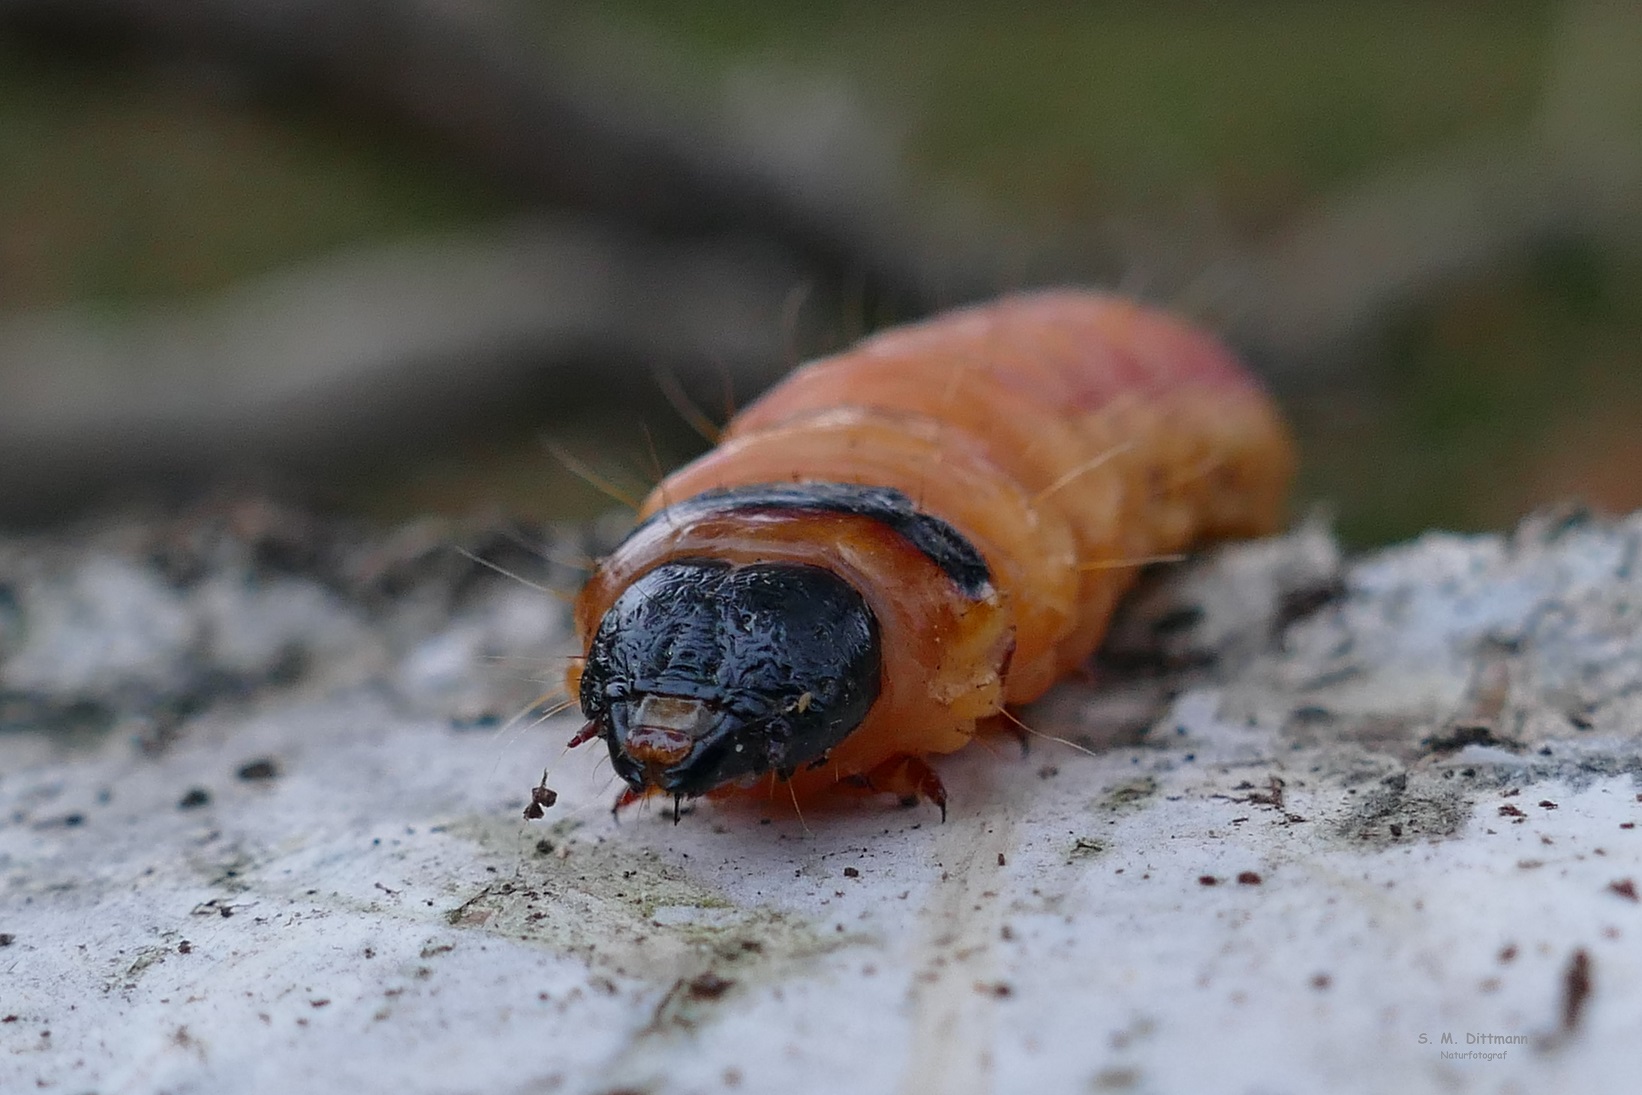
{"x": 1065, "y": 435}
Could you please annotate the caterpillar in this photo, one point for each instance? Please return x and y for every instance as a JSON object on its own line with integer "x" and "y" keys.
{"x": 896, "y": 543}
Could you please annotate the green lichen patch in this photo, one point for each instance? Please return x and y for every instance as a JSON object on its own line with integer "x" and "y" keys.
{"x": 1404, "y": 808}
{"x": 626, "y": 910}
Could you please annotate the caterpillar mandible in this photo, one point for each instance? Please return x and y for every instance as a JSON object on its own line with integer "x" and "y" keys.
{"x": 896, "y": 542}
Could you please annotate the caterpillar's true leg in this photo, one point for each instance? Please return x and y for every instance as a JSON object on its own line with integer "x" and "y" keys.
{"x": 627, "y": 798}
{"x": 911, "y": 778}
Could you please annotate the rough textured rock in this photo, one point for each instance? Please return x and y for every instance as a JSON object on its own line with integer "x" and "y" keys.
{"x": 1311, "y": 825}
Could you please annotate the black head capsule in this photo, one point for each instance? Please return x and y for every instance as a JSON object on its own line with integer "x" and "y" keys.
{"x": 705, "y": 673}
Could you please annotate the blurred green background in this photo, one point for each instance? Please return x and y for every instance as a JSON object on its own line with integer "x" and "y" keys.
{"x": 126, "y": 184}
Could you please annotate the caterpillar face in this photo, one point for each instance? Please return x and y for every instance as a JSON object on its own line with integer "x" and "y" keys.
{"x": 704, "y": 673}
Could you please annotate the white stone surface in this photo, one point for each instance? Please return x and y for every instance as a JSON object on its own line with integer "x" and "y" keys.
{"x": 377, "y": 915}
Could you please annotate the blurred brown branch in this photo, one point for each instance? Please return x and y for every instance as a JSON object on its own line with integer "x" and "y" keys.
{"x": 374, "y": 350}
{"x": 479, "y": 84}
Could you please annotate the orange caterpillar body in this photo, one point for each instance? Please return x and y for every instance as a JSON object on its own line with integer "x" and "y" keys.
{"x": 1066, "y": 435}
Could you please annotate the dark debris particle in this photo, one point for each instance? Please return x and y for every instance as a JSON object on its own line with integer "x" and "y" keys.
{"x": 185, "y": 947}
{"x": 1510, "y": 811}
{"x": 1248, "y": 878}
{"x": 1002, "y": 862}
{"x": 194, "y": 798}
{"x": 7, "y": 939}
{"x": 708, "y": 986}
{"x": 542, "y": 798}
{"x": 1207, "y": 880}
{"x": 1459, "y": 736}
{"x": 1180, "y": 619}
{"x": 1086, "y": 846}
{"x": 9, "y": 1019}
{"x": 1000, "y": 989}
{"x": 851, "y": 872}
{"x": 1272, "y": 796}
{"x": 255, "y": 771}
{"x": 1116, "y": 1079}
{"x": 1508, "y": 953}
{"x": 1625, "y": 888}
{"x": 1576, "y": 989}
{"x": 1296, "y": 604}
{"x": 1321, "y": 981}
{"x": 544, "y": 847}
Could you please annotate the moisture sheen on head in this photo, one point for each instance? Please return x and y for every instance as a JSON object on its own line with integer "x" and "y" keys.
{"x": 704, "y": 672}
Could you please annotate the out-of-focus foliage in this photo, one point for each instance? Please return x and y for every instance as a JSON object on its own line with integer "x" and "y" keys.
{"x": 1181, "y": 131}
{"x": 121, "y": 183}
{"x": 1069, "y": 113}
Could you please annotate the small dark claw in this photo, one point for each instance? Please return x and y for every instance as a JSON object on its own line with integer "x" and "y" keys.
{"x": 911, "y": 778}
{"x": 927, "y": 783}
